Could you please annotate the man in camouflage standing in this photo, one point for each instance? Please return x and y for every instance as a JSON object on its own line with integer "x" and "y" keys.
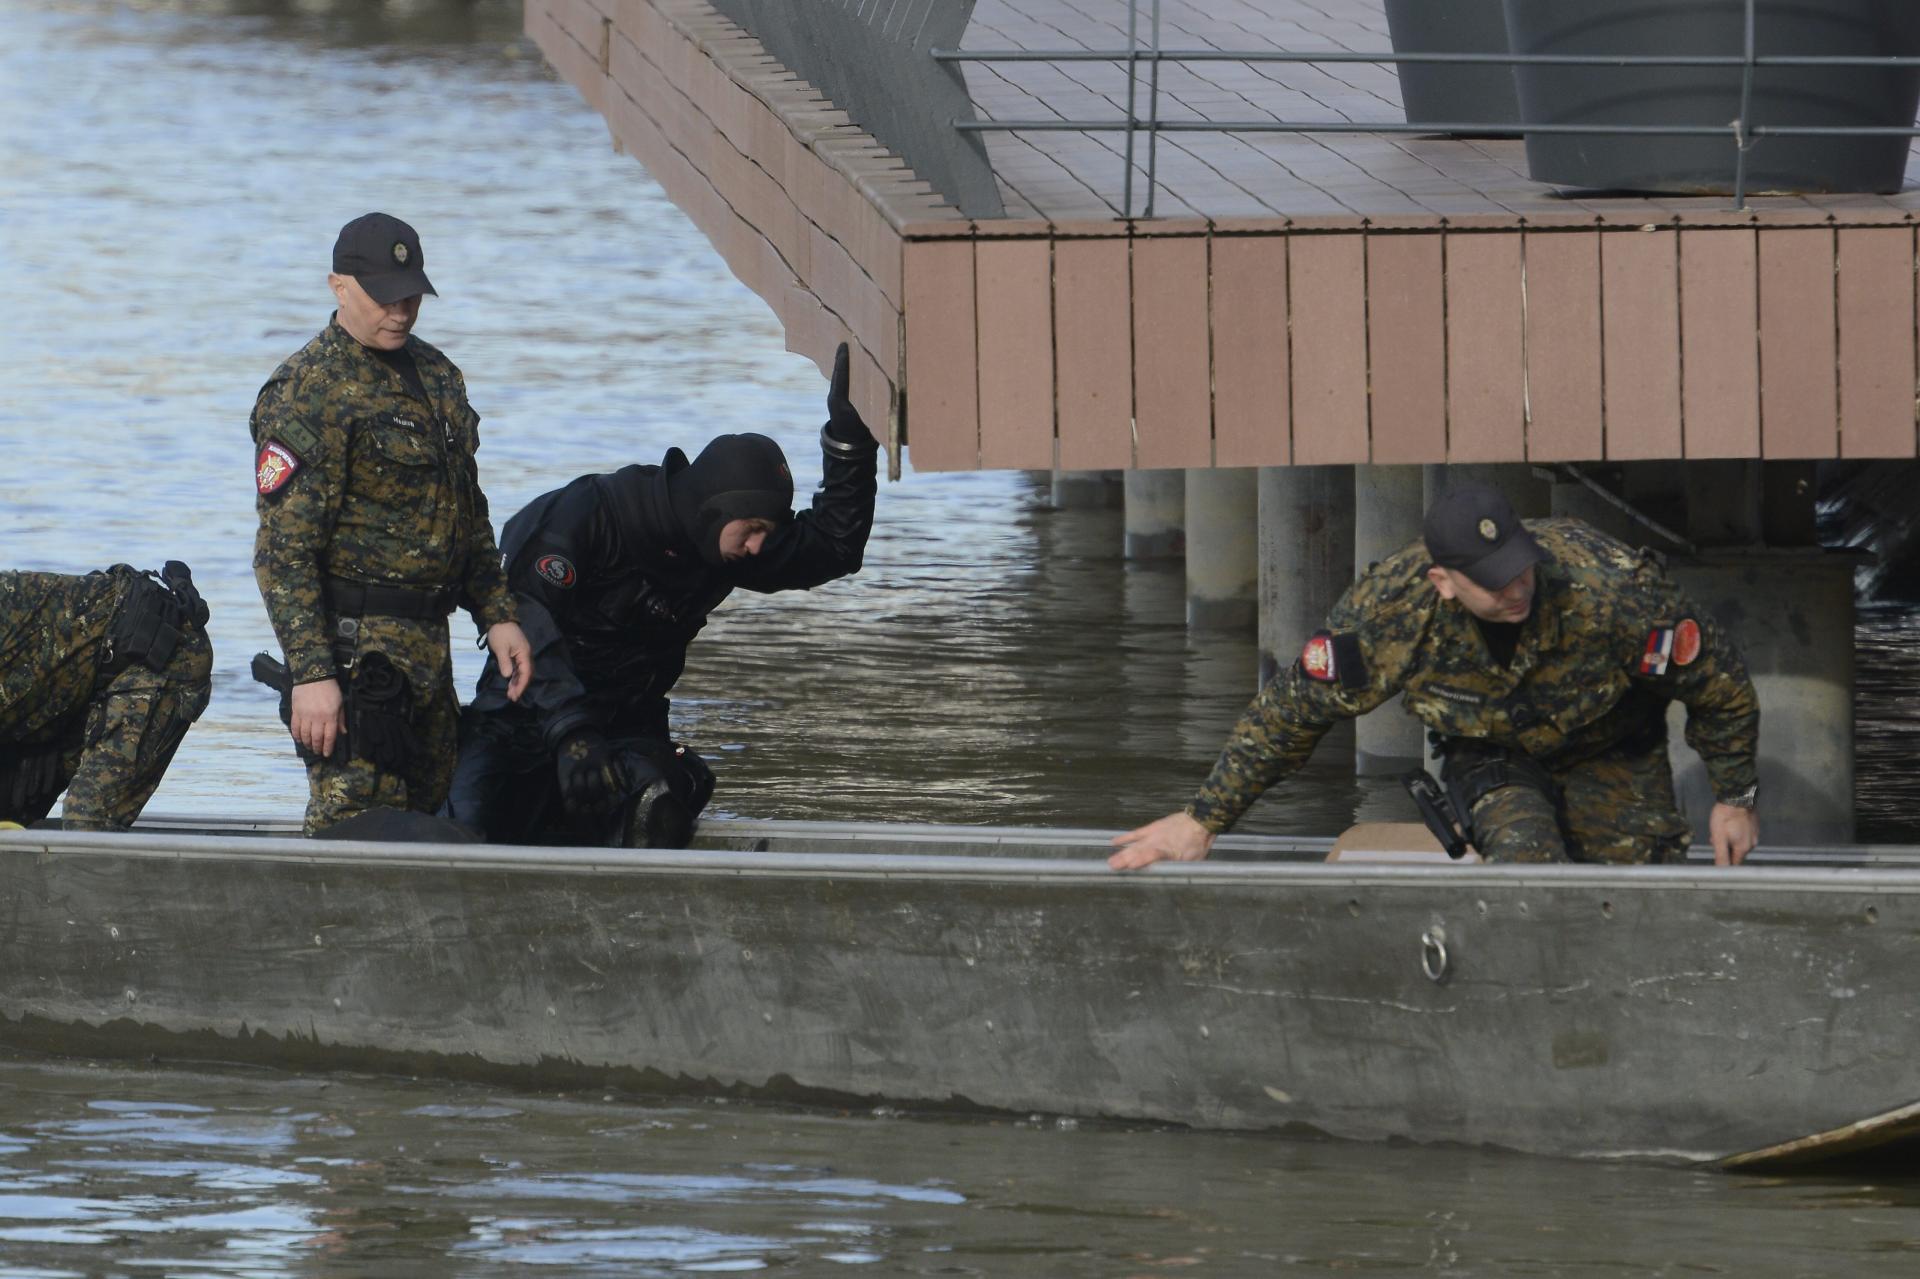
{"x": 1543, "y": 656}
{"x": 372, "y": 529}
{"x": 100, "y": 677}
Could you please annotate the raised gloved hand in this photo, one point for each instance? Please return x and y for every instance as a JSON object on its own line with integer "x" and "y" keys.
{"x": 845, "y": 428}
{"x": 593, "y": 773}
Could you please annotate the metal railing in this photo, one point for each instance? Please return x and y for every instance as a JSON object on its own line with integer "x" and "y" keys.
{"x": 1742, "y": 133}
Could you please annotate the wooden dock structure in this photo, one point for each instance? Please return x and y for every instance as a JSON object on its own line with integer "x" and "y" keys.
{"x": 1302, "y": 299}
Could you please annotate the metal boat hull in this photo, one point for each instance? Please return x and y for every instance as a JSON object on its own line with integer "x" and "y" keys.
{"x": 1664, "y": 1012}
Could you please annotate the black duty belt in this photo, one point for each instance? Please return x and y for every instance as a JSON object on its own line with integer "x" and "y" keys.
{"x": 364, "y": 599}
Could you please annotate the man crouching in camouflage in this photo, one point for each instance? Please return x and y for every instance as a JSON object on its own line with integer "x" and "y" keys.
{"x": 372, "y": 528}
{"x": 100, "y": 677}
{"x": 1543, "y": 656}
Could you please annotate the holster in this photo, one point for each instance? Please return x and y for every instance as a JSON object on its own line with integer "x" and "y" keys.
{"x": 146, "y": 627}
{"x": 152, "y": 616}
{"x": 380, "y": 716}
{"x": 1475, "y": 769}
{"x": 1436, "y": 811}
{"x": 271, "y": 671}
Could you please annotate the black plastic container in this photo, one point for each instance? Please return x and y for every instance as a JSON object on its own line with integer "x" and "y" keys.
{"x": 1710, "y": 96}
{"x": 1436, "y": 93}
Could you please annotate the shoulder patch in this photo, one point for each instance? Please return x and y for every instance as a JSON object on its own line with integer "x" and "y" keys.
{"x": 296, "y": 435}
{"x": 1316, "y": 659}
{"x": 274, "y": 467}
{"x": 557, "y": 569}
{"x": 1334, "y": 658}
{"x": 1657, "y": 652}
{"x": 1686, "y": 642}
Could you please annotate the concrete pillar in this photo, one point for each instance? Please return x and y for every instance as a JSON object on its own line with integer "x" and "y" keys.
{"x": 1087, "y": 490}
{"x": 1791, "y": 614}
{"x": 1388, "y": 502}
{"x": 1531, "y": 496}
{"x": 1156, "y": 515}
{"x": 1306, "y": 563}
{"x": 1222, "y": 563}
{"x": 1306, "y": 554}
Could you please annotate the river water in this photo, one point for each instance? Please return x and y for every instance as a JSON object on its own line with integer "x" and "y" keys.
{"x": 171, "y": 176}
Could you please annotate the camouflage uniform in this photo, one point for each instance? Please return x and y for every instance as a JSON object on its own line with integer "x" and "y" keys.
{"x": 361, "y": 481}
{"x": 75, "y": 717}
{"x": 1581, "y": 709}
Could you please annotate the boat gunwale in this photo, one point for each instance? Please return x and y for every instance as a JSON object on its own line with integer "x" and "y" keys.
{"x": 723, "y": 863}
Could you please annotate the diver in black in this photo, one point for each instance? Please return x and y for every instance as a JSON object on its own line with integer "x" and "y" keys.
{"x": 613, "y": 576}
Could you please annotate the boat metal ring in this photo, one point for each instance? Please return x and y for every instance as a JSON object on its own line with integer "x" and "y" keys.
{"x": 1433, "y": 955}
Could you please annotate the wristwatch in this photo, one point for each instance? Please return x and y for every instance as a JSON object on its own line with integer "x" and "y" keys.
{"x": 1745, "y": 799}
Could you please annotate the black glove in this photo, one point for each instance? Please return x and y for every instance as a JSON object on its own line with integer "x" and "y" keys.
{"x": 593, "y": 773}
{"x": 844, "y": 427}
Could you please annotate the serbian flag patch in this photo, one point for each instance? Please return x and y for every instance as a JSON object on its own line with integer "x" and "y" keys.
{"x": 276, "y": 465}
{"x": 1317, "y": 659}
{"x": 1659, "y": 650}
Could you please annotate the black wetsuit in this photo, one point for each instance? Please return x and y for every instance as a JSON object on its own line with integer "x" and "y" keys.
{"x": 614, "y": 575}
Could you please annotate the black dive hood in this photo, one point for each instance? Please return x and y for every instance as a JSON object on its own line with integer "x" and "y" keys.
{"x": 736, "y": 477}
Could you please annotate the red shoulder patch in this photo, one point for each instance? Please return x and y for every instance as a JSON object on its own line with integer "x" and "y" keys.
{"x": 274, "y": 467}
{"x": 1316, "y": 659}
{"x": 1686, "y": 642}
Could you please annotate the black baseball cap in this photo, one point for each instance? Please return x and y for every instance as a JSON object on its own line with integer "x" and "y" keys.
{"x": 1473, "y": 530}
{"x": 383, "y": 254}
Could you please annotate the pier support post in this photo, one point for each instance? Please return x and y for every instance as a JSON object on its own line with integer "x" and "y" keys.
{"x": 1306, "y": 555}
{"x": 1222, "y": 563}
{"x": 1789, "y": 607}
{"x": 1156, "y": 515}
{"x": 1086, "y": 490}
{"x": 1791, "y": 614}
{"x": 1388, "y": 502}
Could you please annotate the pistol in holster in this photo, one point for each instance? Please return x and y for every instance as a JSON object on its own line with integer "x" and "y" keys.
{"x": 1436, "y": 810}
{"x": 379, "y": 709}
{"x": 271, "y": 671}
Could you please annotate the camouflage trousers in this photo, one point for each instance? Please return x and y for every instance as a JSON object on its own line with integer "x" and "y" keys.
{"x": 341, "y": 788}
{"x": 114, "y": 749}
{"x": 1617, "y": 807}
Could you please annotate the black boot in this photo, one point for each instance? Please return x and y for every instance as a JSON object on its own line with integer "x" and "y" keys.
{"x": 657, "y": 818}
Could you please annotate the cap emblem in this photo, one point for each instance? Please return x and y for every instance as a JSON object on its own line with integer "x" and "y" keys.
{"x": 1489, "y": 530}
{"x": 400, "y": 253}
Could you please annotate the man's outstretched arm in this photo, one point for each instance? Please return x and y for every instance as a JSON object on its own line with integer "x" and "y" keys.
{"x": 829, "y": 539}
